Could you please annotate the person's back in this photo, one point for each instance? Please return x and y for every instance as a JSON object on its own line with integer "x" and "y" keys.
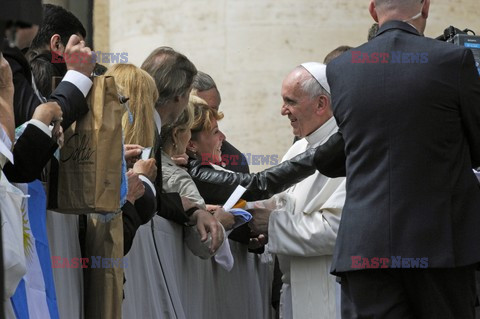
{"x": 409, "y": 149}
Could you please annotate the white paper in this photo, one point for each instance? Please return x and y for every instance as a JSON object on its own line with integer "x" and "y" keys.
{"x": 224, "y": 255}
{"x": 146, "y": 153}
{"x": 234, "y": 198}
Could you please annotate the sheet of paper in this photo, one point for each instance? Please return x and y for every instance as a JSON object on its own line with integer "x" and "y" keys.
{"x": 146, "y": 153}
{"x": 233, "y": 199}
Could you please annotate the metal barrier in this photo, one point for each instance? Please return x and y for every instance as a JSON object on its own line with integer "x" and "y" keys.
{"x": 165, "y": 280}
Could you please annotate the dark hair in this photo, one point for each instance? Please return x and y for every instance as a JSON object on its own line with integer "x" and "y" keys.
{"x": 335, "y": 53}
{"x": 57, "y": 20}
{"x": 172, "y": 71}
{"x": 43, "y": 70}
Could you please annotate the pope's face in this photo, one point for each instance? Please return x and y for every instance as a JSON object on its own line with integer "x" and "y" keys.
{"x": 299, "y": 106}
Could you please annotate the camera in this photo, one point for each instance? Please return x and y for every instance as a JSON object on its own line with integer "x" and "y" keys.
{"x": 465, "y": 39}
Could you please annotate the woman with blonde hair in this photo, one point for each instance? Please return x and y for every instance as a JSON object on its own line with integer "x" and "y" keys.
{"x": 175, "y": 139}
{"x": 139, "y": 132}
{"x": 136, "y": 84}
{"x": 207, "y": 139}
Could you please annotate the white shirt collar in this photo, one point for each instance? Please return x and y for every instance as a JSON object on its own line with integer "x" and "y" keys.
{"x": 158, "y": 121}
{"x": 322, "y": 133}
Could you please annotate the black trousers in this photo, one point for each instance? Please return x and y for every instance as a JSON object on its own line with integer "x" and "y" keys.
{"x": 409, "y": 293}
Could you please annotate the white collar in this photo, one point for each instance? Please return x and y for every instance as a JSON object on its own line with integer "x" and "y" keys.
{"x": 323, "y": 132}
{"x": 158, "y": 121}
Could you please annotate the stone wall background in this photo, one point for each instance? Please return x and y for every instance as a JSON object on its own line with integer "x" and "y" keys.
{"x": 249, "y": 46}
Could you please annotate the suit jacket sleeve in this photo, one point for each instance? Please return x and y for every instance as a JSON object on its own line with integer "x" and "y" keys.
{"x": 330, "y": 158}
{"x": 67, "y": 95}
{"x": 170, "y": 207}
{"x": 71, "y": 100}
{"x": 136, "y": 215}
{"x": 307, "y": 234}
{"x": 31, "y": 153}
{"x": 469, "y": 87}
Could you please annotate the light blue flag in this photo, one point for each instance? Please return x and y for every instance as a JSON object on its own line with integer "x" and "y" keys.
{"x": 35, "y": 296}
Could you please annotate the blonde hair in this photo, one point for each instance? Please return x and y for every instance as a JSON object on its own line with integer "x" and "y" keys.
{"x": 203, "y": 116}
{"x": 140, "y": 88}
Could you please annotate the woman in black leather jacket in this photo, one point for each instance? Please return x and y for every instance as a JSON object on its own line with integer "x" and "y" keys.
{"x": 217, "y": 185}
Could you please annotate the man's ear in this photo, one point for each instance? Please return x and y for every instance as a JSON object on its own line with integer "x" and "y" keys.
{"x": 55, "y": 43}
{"x": 323, "y": 104}
{"x": 373, "y": 10}
{"x": 425, "y": 9}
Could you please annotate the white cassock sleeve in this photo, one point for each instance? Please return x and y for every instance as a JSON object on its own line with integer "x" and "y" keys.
{"x": 312, "y": 232}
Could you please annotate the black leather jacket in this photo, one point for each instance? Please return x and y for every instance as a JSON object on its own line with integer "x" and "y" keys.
{"x": 216, "y": 185}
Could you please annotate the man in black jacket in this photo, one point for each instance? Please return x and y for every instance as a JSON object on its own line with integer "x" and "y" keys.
{"x": 173, "y": 73}
{"x": 70, "y": 93}
{"x": 409, "y": 111}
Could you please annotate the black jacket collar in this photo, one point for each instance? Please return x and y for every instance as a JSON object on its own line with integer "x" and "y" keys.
{"x": 394, "y": 24}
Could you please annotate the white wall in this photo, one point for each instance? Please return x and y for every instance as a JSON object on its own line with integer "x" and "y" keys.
{"x": 248, "y": 46}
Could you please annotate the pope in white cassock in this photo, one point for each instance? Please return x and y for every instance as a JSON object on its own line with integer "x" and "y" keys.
{"x": 303, "y": 225}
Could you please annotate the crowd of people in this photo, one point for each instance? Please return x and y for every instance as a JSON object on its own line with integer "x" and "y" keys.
{"x": 381, "y": 175}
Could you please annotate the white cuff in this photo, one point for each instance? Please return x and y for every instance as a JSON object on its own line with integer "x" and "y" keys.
{"x": 477, "y": 173}
{"x": 41, "y": 126}
{"x": 149, "y": 183}
{"x": 82, "y": 82}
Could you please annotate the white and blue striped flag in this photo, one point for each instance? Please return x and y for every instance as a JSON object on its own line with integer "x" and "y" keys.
{"x": 35, "y": 296}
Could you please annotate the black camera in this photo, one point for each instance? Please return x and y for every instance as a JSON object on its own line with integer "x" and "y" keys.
{"x": 465, "y": 38}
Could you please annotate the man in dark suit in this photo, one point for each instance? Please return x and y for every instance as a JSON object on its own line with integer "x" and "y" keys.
{"x": 173, "y": 73}
{"x": 72, "y": 90}
{"x": 409, "y": 111}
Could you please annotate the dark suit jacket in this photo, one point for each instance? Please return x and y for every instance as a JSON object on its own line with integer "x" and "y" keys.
{"x": 67, "y": 95}
{"x": 31, "y": 153}
{"x": 136, "y": 215}
{"x": 412, "y": 136}
{"x": 236, "y": 160}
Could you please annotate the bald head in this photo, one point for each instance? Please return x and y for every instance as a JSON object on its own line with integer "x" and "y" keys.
{"x": 414, "y": 12}
{"x": 390, "y": 4}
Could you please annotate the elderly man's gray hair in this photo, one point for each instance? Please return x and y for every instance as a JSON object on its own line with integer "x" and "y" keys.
{"x": 203, "y": 82}
{"x": 313, "y": 88}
